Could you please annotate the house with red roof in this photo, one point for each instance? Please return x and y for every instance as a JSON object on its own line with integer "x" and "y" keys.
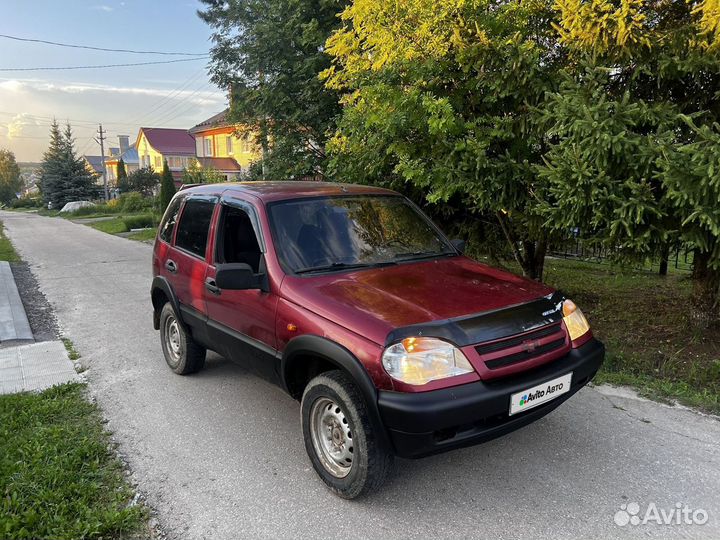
{"x": 155, "y": 145}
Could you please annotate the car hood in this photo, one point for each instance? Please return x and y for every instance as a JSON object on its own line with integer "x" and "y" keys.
{"x": 373, "y": 302}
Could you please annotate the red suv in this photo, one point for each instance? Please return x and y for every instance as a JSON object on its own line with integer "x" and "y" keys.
{"x": 354, "y": 302}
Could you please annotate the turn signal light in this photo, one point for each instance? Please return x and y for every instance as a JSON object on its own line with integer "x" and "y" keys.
{"x": 575, "y": 321}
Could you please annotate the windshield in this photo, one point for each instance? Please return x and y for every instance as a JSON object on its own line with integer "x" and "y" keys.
{"x": 335, "y": 233}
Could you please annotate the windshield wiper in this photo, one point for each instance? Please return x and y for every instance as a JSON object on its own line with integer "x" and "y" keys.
{"x": 419, "y": 255}
{"x": 341, "y": 266}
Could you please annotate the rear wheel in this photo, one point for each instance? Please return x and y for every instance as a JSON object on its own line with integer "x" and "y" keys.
{"x": 340, "y": 439}
{"x": 182, "y": 354}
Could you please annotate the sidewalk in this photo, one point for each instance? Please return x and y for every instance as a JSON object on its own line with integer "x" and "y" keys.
{"x": 25, "y": 365}
{"x": 38, "y": 366}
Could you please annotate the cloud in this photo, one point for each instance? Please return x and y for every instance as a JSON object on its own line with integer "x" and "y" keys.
{"x": 198, "y": 97}
{"x": 103, "y": 7}
{"x": 11, "y": 85}
{"x": 15, "y": 127}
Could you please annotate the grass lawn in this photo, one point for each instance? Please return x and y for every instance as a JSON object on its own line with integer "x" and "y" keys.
{"x": 7, "y": 251}
{"x": 125, "y": 223}
{"x": 59, "y": 477}
{"x": 645, "y": 321}
{"x": 148, "y": 235}
{"x": 111, "y": 226}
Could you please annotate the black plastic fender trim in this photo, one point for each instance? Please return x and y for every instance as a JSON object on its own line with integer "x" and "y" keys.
{"x": 162, "y": 284}
{"x": 338, "y": 355}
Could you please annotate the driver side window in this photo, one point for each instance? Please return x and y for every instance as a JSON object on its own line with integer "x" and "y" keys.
{"x": 237, "y": 239}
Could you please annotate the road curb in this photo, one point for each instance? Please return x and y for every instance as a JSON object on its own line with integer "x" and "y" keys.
{"x": 14, "y": 325}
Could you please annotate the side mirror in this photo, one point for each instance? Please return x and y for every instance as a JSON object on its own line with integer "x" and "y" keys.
{"x": 458, "y": 244}
{"x": 236, "y": 277}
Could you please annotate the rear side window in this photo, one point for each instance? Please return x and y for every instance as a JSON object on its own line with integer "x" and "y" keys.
{"x": 193, "y": 228}
{"x": 167, "y": 226}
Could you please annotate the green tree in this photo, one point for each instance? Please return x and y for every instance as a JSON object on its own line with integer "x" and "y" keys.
{"x": 440, "y": 100}
{"x": 64, "y": 176}
{"x": 633, "y": 132}
{"x": 547, "y": 115}
{"x": 167, "y": 187}
{"x": 121, "y": 174}
{"x": 10, "y": 181}
{"x": 143, "y": 181}
{"x": 267, "y": 54}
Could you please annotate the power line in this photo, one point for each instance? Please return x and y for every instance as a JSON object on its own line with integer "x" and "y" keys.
{"x": 74, "y": 121}
{"x": 162, "y": 117}
{"x": 129, "y": 51}
{"x": 47, "y": 120}
{"x": 103, "y": 66}
{"x": 159, "y": 104}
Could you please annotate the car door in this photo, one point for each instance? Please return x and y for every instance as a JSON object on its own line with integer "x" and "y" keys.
{"x": 185, "y": 265}
{"x": 242, "y": 320}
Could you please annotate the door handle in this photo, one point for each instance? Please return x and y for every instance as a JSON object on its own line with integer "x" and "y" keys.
{"x": 211, "y": 286}
{"x": 171, "y": 266}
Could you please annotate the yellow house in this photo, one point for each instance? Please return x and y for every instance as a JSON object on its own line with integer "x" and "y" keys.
{"x": 155, "y": 145}
{"x": 218, "y": 144}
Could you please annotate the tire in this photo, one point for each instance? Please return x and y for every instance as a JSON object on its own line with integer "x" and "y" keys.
{"x": 182, "y": 354}
{"x": 341, "y": 441}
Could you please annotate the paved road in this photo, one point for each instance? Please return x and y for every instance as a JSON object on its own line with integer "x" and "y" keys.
{"x": 219, "y": 454}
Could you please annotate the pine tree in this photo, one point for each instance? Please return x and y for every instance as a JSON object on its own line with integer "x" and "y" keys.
{"x": 121, "y": 176}
{"x": 51, "y": 168}
{"x": 79, "y": 182}
{"x": 167, "y": 187}
{"x": 64, "y": 176}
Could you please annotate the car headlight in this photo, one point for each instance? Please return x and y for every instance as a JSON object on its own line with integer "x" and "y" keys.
{"x": 575, "y": 321}
{"x": 419, "y": 360}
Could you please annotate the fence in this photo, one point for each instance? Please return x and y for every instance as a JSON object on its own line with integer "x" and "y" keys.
{"x": 679, "y": 257}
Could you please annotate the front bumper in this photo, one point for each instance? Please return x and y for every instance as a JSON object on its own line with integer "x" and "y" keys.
{"x": 426, "y": 423}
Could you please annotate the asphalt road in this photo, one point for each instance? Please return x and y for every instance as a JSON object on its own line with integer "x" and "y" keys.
{"x": 220, "y": 455}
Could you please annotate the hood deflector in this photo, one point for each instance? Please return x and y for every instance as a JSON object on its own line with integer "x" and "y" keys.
{"x": 487, "y": 326}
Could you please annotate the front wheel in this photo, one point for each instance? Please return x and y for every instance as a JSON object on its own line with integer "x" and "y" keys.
{"x": 340, "y": 440}
{"x": 181, "y": 353}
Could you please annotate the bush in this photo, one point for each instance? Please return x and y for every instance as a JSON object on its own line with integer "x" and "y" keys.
{"x": 114, "y": 205}
{"x": 27, "y": 202}
{"x": 134, "y": 202}
{"x": 140, "y": 221}
{"x": 87, "y": 210}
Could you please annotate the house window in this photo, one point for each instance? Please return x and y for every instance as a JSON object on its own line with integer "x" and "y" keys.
{"x": 229, "y": 144}
{"x": 158, "y": 162}
{"x": 208, "y": 147}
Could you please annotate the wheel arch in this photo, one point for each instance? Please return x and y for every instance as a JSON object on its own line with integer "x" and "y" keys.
{"x": 304, "y": 357}
{"x": 162, "y": 292}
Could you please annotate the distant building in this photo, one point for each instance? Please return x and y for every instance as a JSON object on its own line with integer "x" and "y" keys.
{"x": 94, "y": 165}
{"x": 219, "y": 144}
{"x": 155, "y": 145}
{"x": 126, "y": 152}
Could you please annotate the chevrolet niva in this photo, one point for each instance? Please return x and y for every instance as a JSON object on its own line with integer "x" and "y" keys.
{"x": 357, "y": 305}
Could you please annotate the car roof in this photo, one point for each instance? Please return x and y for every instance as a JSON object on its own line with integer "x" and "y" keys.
{"x": 277, "y": 191}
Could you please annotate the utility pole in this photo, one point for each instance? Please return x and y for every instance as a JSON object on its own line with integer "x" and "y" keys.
{"x": 101, "y": 139}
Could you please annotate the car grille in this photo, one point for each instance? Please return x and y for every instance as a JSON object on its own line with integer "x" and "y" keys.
{"x": 523, "y": 347}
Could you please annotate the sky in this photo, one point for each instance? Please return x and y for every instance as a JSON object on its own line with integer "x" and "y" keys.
{"x": 123, "y": 99}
